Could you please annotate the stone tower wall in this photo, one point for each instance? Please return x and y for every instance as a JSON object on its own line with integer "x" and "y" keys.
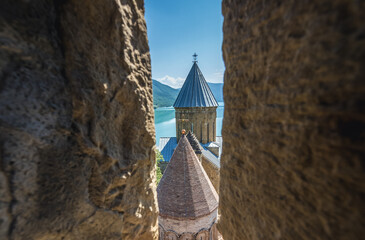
{"x": 76, "y": 121}
{"x": 193, "y": 226}
{"x": 294, "y": 125}
{"x": 201, "y": 121}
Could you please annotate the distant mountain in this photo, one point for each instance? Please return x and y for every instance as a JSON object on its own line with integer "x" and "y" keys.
{"x": 217, "y": 90}
{"x": 165, "y": 96}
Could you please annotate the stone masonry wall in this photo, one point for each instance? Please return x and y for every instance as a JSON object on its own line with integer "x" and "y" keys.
{"x": 293, "y": 150}
{"x": 76, "y": 121}
{"x": 212, "y": 172}
{"x": 188, "y": 225}
{"x": 200, "y": 120}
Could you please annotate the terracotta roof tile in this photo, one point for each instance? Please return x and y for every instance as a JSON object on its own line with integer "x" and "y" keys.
{"x": 185, "y": 190}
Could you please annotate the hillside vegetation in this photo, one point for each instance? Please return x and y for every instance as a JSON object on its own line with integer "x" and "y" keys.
{"x": 163, "y": 95}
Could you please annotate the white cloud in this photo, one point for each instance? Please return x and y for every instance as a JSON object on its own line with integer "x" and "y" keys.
{"x": 219, "y": 74}
{"x": 171, "y": 81}
{"x": 216, "y": 77}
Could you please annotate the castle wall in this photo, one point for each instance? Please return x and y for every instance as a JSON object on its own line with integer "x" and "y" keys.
{"x": 294, "y": 127}
{"x": 76, "y": 121}
{"x": 200, "y": 120}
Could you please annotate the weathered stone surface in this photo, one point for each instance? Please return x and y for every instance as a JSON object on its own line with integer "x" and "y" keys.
{"x": 199, "y": 120}
{"x": 192, "y": 227}
{"x": 293, "y": 150}
{"x": 76, "y": 120}
{"x": 212, "y": 172}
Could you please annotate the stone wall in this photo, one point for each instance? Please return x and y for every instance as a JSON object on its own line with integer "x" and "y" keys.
{"x": 76, "y": 121}
{"x": 199, "y": 120}
{"x": 293, "y": 150}
{"x": 188, "y": 225}
{"x": 212, "y": 172}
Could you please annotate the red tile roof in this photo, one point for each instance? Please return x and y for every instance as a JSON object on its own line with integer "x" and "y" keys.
{"x": 185, "y": 190}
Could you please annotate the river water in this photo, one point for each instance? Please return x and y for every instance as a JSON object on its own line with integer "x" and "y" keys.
{"x": 165, "y": 122}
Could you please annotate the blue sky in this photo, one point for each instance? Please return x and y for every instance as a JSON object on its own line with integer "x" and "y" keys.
{"x": 178, "y": 28}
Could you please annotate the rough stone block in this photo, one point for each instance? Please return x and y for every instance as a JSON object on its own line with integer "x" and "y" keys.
{"x": 293, "y": 150}
{"x": 76, "y": 121}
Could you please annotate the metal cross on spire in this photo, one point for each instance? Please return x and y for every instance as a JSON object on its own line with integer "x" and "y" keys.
{"x": 195, "y": 57}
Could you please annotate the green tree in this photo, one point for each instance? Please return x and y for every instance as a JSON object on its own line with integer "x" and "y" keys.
{"x": 159, "y": 158}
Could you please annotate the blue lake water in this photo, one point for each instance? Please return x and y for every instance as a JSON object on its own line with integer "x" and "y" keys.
{"x": 165, "y": 122}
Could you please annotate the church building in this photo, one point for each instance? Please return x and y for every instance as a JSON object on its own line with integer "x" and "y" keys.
{"x": 195, "y": 107}
{"x": 195, "y": 111}
{"x": 187, "y": 200}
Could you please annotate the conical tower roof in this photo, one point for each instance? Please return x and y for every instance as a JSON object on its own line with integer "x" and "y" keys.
{"x": 185, "y": 190}
{"x": 195, "y": 92}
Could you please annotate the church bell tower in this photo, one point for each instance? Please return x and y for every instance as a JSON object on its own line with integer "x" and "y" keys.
{"x": 195, "y": 107}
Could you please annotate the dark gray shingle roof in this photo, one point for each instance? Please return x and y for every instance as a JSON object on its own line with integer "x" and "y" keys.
{"x": 195, "y": 92}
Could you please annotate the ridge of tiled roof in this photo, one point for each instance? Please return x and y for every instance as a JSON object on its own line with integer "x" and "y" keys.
{"x": 185, "y": 191}
{"x": 195, "y": 92}
{"x": 194, "y": 142}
